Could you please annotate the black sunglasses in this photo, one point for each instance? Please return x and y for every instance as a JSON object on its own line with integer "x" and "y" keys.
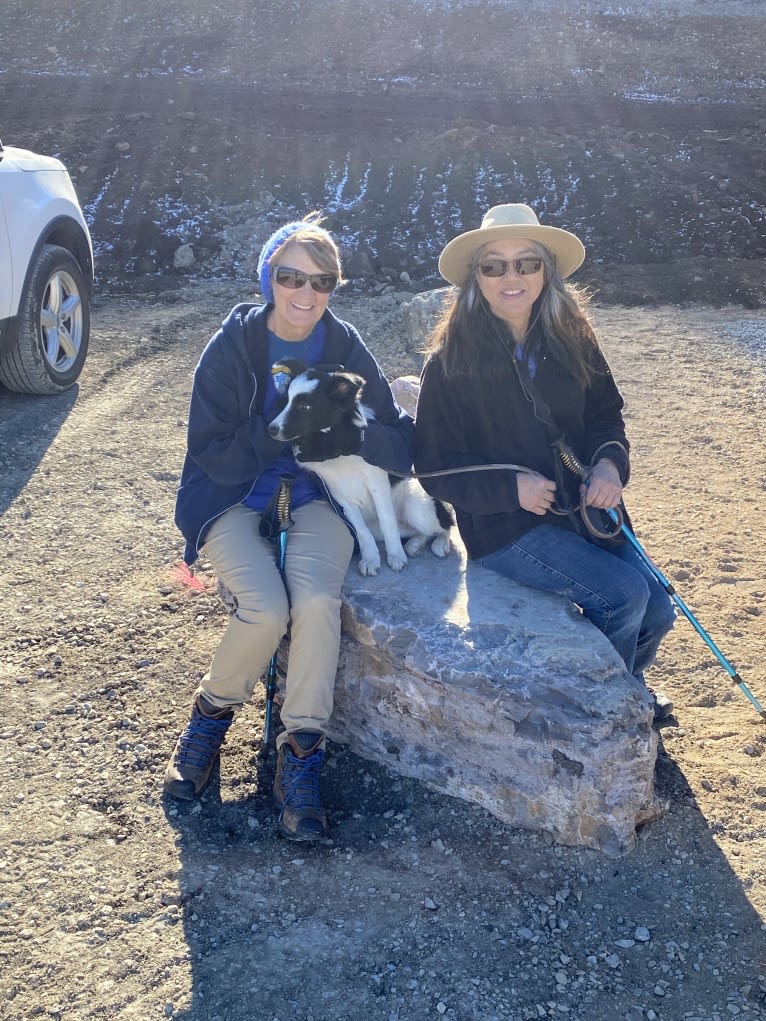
{"x": 524, "y": 267}
{"x": 294, "y": 279}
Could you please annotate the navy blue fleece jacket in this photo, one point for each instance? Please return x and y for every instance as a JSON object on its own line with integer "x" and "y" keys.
{"x": 227, "y": 443}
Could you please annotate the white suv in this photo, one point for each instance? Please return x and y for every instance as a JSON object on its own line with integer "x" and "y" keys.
{"x": 46, "y": 275}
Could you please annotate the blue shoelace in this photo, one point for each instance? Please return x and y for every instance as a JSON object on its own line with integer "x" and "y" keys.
{"x": 201, "y": 740}
{"x": 301, "y": 779}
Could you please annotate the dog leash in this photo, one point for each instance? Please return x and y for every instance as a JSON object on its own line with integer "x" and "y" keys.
{"x": 568, "y": 458}
{"x": 274, "y": 525}
{"x": 465, "y": 468}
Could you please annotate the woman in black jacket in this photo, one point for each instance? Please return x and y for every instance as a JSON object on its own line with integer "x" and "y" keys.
{"x": 514, "y": 375}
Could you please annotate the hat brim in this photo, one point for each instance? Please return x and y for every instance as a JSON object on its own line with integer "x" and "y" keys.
{"x": 455, "y": 260}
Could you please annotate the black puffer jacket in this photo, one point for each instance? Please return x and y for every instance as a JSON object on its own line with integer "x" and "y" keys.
{"x": 467, "y": 421}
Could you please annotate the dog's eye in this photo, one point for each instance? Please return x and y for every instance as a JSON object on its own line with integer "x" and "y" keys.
{"x": 302, "y": 403}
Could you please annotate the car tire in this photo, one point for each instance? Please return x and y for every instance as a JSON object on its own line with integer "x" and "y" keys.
{"x": 52, "y": 328}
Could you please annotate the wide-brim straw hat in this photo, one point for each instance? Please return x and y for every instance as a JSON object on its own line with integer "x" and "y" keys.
{"x": 512, "y": 220}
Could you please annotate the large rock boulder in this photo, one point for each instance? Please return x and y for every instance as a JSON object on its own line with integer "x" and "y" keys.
{"x": 421, "y": 313}
{"x": 406, "y": 390}
{"x": 497, "y": 694}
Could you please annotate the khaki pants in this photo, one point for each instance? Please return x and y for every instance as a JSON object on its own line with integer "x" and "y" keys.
{"x": 318, "y": 552}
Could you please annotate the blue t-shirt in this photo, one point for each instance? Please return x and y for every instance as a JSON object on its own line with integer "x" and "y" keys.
{"x": 305, "y": 488}
{"x": 528, "y": 358}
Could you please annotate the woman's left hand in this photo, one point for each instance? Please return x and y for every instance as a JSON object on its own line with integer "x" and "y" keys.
{"x": 604, "y": 488}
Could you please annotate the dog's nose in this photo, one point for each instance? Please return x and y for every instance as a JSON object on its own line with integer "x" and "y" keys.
{"x": 273, "y": 430}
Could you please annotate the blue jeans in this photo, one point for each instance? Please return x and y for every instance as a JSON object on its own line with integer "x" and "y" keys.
{"x": 612, "y": 586}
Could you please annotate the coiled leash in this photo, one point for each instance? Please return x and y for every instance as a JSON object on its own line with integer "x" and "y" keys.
{"x": 570, "y": 460}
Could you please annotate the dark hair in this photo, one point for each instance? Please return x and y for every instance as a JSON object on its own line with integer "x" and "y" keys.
{"x": 471, "y": 340}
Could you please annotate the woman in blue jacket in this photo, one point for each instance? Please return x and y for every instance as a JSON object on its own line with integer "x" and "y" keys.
{"x": 515, "y": 376}
{"x": 231, "y": 474}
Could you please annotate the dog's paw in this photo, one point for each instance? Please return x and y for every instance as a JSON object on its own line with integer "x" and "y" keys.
{"x": 397, "y": 561}
{"x": 369, "y": 566}
{"x": 414, "y": 545}
{"x": 441, "y": 546}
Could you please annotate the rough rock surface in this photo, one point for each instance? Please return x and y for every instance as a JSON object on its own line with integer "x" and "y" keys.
{"x": 499, "y": 695}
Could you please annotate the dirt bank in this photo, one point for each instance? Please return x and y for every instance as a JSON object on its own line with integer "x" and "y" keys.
{"x": 640, "y": 128}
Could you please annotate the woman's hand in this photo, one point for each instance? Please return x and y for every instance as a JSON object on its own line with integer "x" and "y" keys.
{"x": 604, "y": 488}
{"x": 536, "y": 493}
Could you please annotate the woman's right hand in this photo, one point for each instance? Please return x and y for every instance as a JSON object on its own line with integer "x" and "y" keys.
{"x": 536, "y": 493}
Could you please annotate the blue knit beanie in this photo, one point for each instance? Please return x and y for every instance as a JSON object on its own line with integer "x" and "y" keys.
{"x": 276, "y": 240}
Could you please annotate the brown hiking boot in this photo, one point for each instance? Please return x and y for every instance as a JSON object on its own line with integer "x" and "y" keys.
{"x": 296, "y": 787}
{"x": 196, "y": 750}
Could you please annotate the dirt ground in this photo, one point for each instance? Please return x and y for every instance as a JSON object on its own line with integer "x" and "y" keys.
{"x": 118, "y": 903}
{"x": 115, "y": 903}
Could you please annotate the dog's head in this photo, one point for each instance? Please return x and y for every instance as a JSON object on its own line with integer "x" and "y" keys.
{"x": 318, "y": 400}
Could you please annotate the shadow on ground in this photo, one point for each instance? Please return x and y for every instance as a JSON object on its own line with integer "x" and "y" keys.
{"x": 29, "y": 424}
{"x": 424, "y": 900}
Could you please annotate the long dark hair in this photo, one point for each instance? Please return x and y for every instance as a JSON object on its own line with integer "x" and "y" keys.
{"x": 471, "y": 340}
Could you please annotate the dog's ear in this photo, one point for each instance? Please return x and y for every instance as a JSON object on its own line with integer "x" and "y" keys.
{"x": 347, "y": 389}
{"x": 346, "y": 386}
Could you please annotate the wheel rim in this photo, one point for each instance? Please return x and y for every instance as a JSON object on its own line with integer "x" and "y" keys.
{"x": 61, "y": 322}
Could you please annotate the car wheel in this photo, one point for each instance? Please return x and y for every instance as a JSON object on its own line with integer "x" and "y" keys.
{"x": 53, "y": 326}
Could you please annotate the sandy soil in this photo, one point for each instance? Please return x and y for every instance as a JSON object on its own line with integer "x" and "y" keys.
{"x": 116, "y": 904}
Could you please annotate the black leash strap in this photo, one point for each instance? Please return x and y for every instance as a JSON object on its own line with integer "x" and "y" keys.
{"x": 276, "y": 518}
{"x": 564, "y": 455}
{"x": 275, "y": 522}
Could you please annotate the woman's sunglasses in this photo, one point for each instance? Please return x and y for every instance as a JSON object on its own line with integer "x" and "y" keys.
{"x": 294, "y": 279}
{"x": 524, "y": 267}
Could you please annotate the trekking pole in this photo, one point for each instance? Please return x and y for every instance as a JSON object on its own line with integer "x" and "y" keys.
{"x": 667, "y": 585}
{"x": 281, "y": 521}
{"x": 572, "y": 462}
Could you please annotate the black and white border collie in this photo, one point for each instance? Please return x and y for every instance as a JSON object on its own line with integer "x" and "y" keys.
{"x": 322, "y": 419}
